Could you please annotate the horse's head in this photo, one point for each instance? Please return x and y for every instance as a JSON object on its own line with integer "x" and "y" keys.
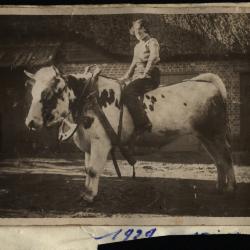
{"x": 50, "y": 98}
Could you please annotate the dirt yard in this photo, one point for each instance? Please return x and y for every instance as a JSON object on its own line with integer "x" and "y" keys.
{"x": 52, "y": 188}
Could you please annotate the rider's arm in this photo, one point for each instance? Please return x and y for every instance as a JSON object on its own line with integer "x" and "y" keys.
{"x": 130, "y": 71}
{"x": 154, "y": 55}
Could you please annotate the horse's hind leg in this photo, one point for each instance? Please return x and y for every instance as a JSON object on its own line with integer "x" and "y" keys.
{"x": 219, "y": 149}
{"x": 224, "y": 157}
{"x": 211, "y": 149}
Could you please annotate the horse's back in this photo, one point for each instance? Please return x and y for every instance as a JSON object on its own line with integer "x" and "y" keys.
{"x": 176, "y": 106}
{"x": 200, "y": 81}
{"x": 191, "y": 91}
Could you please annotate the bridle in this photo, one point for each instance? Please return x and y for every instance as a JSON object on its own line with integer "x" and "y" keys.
{"x": 87, "y": 93}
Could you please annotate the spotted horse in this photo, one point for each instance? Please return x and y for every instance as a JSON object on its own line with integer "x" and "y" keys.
{"x": 196, "y": 106}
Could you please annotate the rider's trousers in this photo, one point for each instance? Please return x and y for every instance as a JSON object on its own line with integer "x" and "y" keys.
{"x": 138, "y": 88}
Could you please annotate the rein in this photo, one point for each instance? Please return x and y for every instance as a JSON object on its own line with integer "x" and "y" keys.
{"x": 91, "y": 99}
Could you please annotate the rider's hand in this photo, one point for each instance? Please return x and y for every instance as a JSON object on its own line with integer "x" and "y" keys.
{"x": 142, "y": 76}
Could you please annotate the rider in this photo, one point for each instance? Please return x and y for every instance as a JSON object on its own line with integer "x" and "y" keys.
{"x": 143, "y": 72}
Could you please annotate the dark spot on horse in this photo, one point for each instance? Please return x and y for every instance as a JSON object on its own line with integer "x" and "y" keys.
{"x": 153, "y": 99}
{"x": 102, "y": 100}
{"x": 87, "y": 121}
{"x": 106, "y": 98}
{"x": 163, "y": 96}
{"x": 111, "y": 96}
{"x": 214, "y": 120}
{"x": 147, "y": 96}
{"x": 49, "y": 102}
{"x": 117, "y": 104}
{"x": 76, "y": 84}
{"x": 144, "y": 106}
{"x": 92, "y": 173}
{"x": 151, "y": 107}
{"x": 185, "y": 104}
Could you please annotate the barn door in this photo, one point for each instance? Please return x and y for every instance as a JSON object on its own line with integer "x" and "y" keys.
{"x": 245, "y": 111}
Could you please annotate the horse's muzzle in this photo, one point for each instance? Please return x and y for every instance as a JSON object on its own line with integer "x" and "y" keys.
{"x": 32, "y": 125}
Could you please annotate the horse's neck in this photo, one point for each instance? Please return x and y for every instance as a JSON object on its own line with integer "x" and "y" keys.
{"x": 105, "y": 83}
{"x": 107, "y": 87}
{"x": 75, "y": 84}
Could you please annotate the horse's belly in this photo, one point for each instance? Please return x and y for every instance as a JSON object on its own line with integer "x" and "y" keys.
{"x": 168, "y": 117}
{"x": 157, "y": 139}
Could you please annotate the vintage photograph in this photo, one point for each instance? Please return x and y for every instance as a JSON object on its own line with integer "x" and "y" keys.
{"x": 129, "y": 115}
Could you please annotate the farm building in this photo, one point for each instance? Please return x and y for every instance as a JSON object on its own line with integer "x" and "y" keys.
{"x": 190, "y": 44}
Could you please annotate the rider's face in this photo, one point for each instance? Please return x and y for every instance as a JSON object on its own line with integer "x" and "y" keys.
{"x": 139, "y": 32}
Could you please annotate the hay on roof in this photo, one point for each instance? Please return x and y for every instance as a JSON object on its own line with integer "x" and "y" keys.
{"x": 27, "y": 55}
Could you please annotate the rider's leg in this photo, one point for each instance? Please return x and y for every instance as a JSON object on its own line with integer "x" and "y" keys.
{"x": 130, "y": 97}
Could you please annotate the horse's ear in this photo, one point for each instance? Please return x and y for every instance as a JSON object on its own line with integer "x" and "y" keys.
{"x": 96, "y": 71}
{"x": 30, "y": 82}
{"x": 56, "y": 70}
{"x": 30, "y": 75}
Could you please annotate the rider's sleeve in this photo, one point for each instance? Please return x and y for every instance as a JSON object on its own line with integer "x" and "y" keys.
{"x": 154, "y": 50}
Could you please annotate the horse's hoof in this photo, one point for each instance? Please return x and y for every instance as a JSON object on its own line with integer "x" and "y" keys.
{"x": 227, "y": 191}
{"x": 220, "y": 189}
{"x": 88, "y": 198}
{"x": 230, "y": 189}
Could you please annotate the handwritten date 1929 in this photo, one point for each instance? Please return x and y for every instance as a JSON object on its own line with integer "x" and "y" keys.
{"x": 128, "y": 234}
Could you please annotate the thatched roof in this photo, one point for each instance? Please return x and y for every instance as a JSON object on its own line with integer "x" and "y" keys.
{"x": 230, "y": 31}
{"x": 27, "y": 54}
{"x": 181, "y": 36}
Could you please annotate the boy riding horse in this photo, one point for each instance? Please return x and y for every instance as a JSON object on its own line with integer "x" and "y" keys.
{"x": 144, "y": 73}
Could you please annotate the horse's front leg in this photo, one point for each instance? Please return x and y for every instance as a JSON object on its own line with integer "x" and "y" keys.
{"x": 97, "y": 160}
{"x": 87, "y": 159}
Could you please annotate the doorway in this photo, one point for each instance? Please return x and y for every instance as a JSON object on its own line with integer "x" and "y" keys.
{"x": 245, "y": 111}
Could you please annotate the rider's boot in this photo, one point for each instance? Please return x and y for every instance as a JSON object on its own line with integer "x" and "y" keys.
{"x": 141, "y": 121}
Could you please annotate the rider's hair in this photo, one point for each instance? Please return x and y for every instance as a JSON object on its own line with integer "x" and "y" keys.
{"x": 142, "y": 23}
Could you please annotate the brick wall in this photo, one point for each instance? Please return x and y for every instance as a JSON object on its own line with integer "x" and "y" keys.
{"x": 228, "y": 70}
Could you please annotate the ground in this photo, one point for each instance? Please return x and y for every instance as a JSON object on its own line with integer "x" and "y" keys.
{"x": 53, "y": 187}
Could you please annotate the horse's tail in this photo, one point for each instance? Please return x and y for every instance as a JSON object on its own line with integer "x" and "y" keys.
{"x": 214, "y": 79}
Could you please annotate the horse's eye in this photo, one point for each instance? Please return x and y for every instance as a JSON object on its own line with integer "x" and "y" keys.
{"x": 57, "y": 80}
{"x": 46, "y": 95}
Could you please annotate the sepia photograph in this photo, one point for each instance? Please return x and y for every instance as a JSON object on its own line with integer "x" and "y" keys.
{"x": 125, "y": 116}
